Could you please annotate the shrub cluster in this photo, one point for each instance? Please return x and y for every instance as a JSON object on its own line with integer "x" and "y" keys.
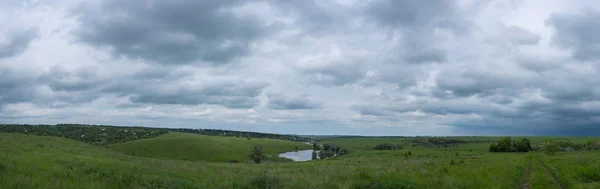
{"x": 331, "y": 151}
{"x": 438, "y": 140}
{"x": 507, "y": 145}
{"x": 388, "y": 146}
{"x": 459, "y": 162}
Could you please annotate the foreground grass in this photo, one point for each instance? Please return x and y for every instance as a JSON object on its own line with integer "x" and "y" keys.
{"x": 186, "y": 146}
{"x": 50, "y": 162}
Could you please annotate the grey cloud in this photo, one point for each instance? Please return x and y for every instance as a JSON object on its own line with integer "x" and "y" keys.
{"x": 416, "y": 22}
{"x": 338, "y": 73}
{"x": 369, "y": 110}
{"x": 578, "y": 32}
{"x": 169, "y": 32}
{"x": 419, "y": 47}
{"x": 15, "y": 87}
{"x": 413, "y": 14}
{"x": 231, "y": 94}
{"x": 401, "y": 75}
{"x": 454, "y": 83}
{"x": 313, "y": 15}
{"x": 520, "y": 36}
{"x": 539, "y": 63}
{"x": 281, "y": 102}
{"x": 83, "y": 86}
{"x": 59, "y": 79}
{"x": 17, "y": 41}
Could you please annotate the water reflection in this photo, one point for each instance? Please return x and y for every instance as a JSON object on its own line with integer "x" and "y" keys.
{"x": 300, "y": 155}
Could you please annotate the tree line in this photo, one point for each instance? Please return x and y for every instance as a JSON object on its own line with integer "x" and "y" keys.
{"x": 549, "y": 147}
{"x": 242, "y": 134}
{"x": 94, "y": 134}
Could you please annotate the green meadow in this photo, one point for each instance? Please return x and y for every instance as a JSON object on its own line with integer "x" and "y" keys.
{"x": 179, "y": 160}
{"x": 184, "y": 146}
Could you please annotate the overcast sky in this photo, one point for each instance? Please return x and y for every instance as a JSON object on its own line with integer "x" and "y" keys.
{"x": 379, "y": 67}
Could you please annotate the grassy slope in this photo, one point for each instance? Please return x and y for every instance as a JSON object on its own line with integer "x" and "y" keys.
{"x": 478, "y": 143}
{"x": 50, "y": 162}
{"x": 187, "y": 146}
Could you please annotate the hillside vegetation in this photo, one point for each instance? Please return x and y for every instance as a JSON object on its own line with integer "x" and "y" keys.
{"x": 185, "y": 146}
{"x": 95, "y": 134}
{"x": 28, "y": 161}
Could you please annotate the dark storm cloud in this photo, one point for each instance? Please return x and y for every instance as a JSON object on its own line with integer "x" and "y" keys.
{"x": 282, "y": 102}
{"x": 62, "y": 80}
{"x": 17, "y": 41}
{"x": 452, "y": 84}
{"x": 14, "y": 87}
{"x": 170, "y": 32}
{"x": 416, "y": 21}
{"x": 413, "y": 14}
{"x": 578, "y": 32}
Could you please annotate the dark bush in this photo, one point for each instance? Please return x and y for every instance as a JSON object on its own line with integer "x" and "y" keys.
{"x": 507, "y": 145}
{"x": 2, "y": 168}
{"x": 388, "y": 146}
{"x": 326, "y": 154}
{"x": 266, "y": 181}
{"x": 592, "y": 145}
{"x": 459, "y": 162}
{"x": 550, "y": 148}
{"x": 257, "y": 155}
{"x": 589, "y": 175}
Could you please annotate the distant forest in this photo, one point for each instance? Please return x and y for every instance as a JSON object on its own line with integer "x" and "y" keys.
{"x": 107, "y": 134}
{"x": 94, "y": 134}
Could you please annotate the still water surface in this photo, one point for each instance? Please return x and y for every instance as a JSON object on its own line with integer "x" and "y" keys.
{"x": 300, "y": 155}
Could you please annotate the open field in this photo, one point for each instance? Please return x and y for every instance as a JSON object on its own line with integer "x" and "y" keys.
{"x": 186, "y": 146}
{"x": 28, "y": 161}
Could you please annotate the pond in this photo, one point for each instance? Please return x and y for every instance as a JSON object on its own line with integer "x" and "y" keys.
{"x": 300, "y": 155}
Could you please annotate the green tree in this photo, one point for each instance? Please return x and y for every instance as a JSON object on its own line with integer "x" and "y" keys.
{"x": 257, "y": 155}
{"x": 314, "y": 155}
{"x": 550, "y": 148}
{"x": 523, "y": 146}
{"x": 315, "y": 146}
{"x": 505, "y": 144}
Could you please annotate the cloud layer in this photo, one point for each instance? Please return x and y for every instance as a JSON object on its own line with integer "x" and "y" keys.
{"x": 380, "y": 67}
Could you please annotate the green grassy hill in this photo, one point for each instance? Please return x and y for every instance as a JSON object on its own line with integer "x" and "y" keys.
{"x": 185, "y": 146}
{"x": 28, "y": 161}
